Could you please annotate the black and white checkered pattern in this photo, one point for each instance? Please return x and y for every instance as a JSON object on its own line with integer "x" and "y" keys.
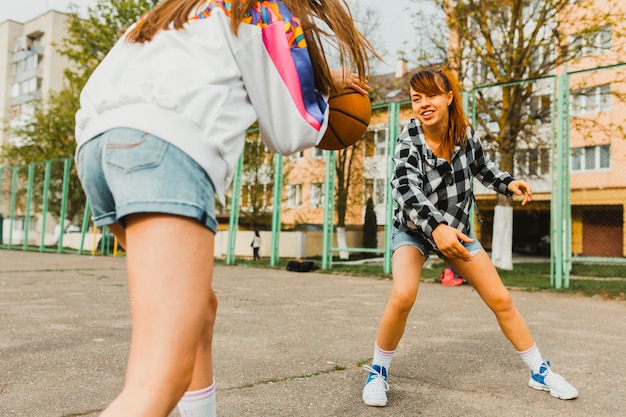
{"x": 430, "y": 191}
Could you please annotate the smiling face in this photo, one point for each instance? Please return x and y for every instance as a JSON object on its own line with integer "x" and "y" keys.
{"x": 431, "y": 108}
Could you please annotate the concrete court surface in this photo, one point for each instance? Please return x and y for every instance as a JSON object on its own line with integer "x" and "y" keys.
{"x": 292, "y": 344}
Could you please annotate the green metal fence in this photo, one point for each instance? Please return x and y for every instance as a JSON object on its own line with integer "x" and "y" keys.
{"x": 577, "y": 118}
{"x": 573, "y": 152}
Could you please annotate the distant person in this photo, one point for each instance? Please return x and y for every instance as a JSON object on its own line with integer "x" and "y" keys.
{"x": 256, "y": 245}
{"x": 437, "y": 156}
{"x": 160, "y": 129}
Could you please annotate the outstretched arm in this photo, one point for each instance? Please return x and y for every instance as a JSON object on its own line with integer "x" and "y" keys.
{"x": 520, "y": 187}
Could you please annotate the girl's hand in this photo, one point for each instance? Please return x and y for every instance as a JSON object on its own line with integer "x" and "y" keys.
{"x": 448, "y": 240}
{"x": 344, "y": 78}
{"x": 520, "y": 187}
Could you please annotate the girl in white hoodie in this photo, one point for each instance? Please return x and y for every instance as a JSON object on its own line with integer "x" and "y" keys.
{"x": 161, "y": 125}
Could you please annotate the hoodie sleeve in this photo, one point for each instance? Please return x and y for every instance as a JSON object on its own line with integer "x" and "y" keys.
{"x": 278, "y": 75}
{"x": 486, "y": 171}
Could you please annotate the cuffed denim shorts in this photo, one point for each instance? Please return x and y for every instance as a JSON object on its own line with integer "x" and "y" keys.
{"x": 125, "y": 171}
{"x": 400, "y": 238}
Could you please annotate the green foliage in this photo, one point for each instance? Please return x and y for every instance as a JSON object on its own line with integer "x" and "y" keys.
{"x": 90, "y": 39}
{"x": 370, "y": 226}
{"x": 49, "y": 133}
{"x": 258, "y": 182}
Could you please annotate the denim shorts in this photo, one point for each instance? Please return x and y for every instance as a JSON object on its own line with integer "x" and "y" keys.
{"x": 125, "y": 171}
{"x": 400, "y": 238}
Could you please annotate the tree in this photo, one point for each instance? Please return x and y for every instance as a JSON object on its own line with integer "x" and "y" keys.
{"x": 258, "y": 180}
{"x": 370, "y": 226}
{"x": 349, "y": 172}
{"x": 49, "y": 132}
{"x": 507, "y": 43}
{"x": 46, "y": 136}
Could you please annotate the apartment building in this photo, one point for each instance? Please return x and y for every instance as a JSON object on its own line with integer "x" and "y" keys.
{"x": 29, "y": 65}
{"x": 597, "y": 137}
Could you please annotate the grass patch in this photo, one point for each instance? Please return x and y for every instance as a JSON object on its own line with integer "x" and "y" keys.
{"x": 603, "y": 280}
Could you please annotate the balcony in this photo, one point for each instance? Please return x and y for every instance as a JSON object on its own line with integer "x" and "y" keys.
{"x": 25, "y": 53}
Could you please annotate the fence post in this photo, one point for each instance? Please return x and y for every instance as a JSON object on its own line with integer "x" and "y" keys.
{"x": 66, "y": 184}
{"x": 234, "y": 212}
{"x": 392, "y": 126}
{"x": 13, "y": 203}
{"x": 277, "y": 203}
{"x": 44, "y": 207}
{"x": 1, "y": 217}
{"x": 29, "y": 198}
{"x": 85, "y": 227}
{"x": 557, "y": 208}
{"x": 329, "y": 210}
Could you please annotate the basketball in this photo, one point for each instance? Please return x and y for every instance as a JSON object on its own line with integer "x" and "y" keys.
{"x": 349, "y": 116}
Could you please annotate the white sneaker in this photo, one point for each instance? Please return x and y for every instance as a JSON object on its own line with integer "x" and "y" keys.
{"x": 376, "y": 387}
{"x": 546, "y": 380}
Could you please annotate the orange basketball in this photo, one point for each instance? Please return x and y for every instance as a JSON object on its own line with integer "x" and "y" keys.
{"x": 349, "y": 116}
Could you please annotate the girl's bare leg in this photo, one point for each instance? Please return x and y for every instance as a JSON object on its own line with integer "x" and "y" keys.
{"x": 170, "y": 269}
{"x": 483, "y": 276}
{"x": 407, "y": 269}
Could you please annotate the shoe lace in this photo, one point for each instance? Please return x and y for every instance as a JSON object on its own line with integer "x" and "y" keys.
{"x": 556, "y": 379}
{"x": 379, "y": 376}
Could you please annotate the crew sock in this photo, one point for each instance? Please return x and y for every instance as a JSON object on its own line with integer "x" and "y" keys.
{"x": 199, "y": 403}
{"x": 532, "y": 358}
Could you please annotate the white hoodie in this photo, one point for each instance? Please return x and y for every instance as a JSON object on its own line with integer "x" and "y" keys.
{"x": 201, "y": 87}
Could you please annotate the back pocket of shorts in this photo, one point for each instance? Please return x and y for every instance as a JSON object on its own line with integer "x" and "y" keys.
{"x": 145, "y": 151}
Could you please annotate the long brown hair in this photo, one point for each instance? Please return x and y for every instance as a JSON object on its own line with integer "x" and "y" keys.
{"x": 335, "y": 14}
{"x": 441, "y": 81}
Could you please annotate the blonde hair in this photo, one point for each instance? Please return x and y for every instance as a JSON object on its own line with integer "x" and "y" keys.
{"x": 440, "y": 81}
{"x": 335, "y": 14}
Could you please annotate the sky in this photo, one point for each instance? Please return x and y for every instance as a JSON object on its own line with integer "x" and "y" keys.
{"x": 396, "y": 23}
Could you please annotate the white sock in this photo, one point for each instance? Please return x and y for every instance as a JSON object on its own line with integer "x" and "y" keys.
{"x": 199, "y": 403}
{"x": 532, "y": 358}
{"x": 382, "y": 357}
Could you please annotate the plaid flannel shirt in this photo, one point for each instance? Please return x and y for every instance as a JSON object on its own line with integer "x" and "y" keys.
{"x": 430, "y": 191}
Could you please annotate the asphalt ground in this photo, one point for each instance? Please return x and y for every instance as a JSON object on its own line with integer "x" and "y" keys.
{"x": 293, "y": 344}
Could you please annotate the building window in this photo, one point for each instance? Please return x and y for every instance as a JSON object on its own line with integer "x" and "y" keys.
{"x": 376, "y": 142}
{"x": 317, "y": 153}
{"x": 590, "y": 100}
{"x": 532, "y": 162}
{"x": 379, "y": 192}
{"x": 480, "y": 72}
{"x": 317, "y": 195}
{"x": 541, "y": 108}
{"x": 16, "y": 111}
{"x": 375, "y": 189}
{"x": 368, "y": 189}
{"x": 591, "y": 158}
{"x": 296, "y": 156}
{"x": 294, "y": 195}
{"x": 591, "y": 42}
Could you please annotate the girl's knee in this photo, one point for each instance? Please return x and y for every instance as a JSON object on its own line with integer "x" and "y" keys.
{"x": 502, "y": 304}
{"x": 402, "y": 301}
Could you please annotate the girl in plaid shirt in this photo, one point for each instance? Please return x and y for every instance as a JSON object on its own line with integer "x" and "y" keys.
{"x": 437, "y": 156}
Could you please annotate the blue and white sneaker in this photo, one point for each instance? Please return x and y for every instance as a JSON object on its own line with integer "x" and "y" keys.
{"x": 546, "y": 380}
{"x": 376, "y": 387}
